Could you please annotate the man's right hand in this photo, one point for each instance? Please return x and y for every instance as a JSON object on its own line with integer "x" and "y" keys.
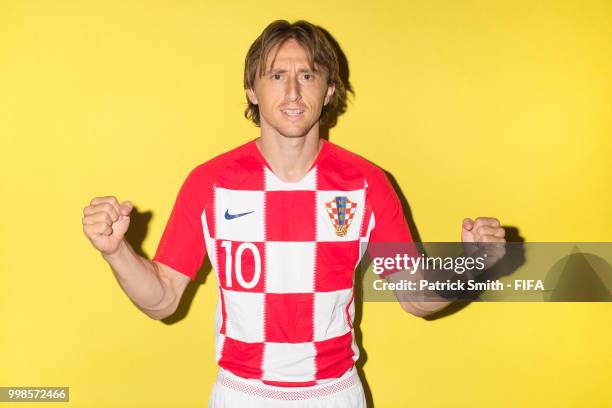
{"x": 105, "y": 222}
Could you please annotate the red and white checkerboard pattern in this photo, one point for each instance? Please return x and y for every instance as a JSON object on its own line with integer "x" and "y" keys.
{"x": 285, "y": 312}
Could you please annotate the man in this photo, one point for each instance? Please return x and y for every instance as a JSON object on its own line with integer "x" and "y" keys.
{"x": 282, "y": 218}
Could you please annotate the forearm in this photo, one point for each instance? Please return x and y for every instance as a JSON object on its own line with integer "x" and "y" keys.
{"x": 433, "y": 289}
{"x": 419, "y": 303}
{"x": 140, "y": 280}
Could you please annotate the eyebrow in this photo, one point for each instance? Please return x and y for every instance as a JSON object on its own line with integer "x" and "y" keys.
{"x": 282, "y": 71}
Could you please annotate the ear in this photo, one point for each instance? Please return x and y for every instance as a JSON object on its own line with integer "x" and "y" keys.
{"x": 330, "y": 92}
{"x": 252, "y": 97}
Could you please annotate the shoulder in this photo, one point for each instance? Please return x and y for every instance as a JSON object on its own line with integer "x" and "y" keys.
{"x": 198, "y": 185}
{"x": 343, "y": 157}
{"x": 209, "y": 170}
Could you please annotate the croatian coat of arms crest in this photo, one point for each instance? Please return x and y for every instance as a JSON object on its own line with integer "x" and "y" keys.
{"x": 341, "y": 212}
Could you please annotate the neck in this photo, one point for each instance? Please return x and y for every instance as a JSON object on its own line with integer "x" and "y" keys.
{"x": 289, "y": 157}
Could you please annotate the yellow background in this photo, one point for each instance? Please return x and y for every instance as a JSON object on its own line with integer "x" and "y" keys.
{"x": 477, "y": 108}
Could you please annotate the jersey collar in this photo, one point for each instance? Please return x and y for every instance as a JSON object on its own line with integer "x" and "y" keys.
{"x": 260, "y": 157}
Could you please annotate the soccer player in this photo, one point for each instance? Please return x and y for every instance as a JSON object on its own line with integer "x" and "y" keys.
{"x": 283, "y": 218}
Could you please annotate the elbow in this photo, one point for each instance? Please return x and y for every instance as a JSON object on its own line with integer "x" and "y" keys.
{"x": 165, "y": 308}
{"x": 159, "y": 314}
{"x": 416, "y": 310}
{"x": 162, "y": 314}
{"x": 421, "y": 313}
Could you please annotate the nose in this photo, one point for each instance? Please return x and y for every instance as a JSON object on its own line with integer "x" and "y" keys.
{"x": 292, "y": 90}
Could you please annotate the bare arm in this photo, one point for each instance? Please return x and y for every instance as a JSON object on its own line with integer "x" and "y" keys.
{"x": 411, "y": 303}
{"x": 154, "y": 288}
{"x": 484, "y": 230}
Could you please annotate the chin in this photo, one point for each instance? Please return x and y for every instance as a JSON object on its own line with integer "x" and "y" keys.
{"x": 293, "y": 131}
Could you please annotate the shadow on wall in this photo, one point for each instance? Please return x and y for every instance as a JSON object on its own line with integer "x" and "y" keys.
{"x": 344, "y": 76}
{"x": 135, "y": 235}
{"x": 579, "y": 277}
{"x": 506, "y": 266}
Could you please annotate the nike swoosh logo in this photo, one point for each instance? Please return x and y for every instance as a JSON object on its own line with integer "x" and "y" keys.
{"x": 229, "y": 216}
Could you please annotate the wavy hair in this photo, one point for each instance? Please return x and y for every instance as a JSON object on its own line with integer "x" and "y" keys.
{"x": 320, "y": 53}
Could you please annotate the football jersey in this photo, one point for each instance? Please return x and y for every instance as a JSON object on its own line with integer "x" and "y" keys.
{"x": 284, "y": 255}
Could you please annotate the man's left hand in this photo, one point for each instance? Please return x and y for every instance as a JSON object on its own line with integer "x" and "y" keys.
{"x": 486, "y": 230}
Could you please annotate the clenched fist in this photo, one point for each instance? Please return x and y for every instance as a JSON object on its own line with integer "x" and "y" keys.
{"x": 484, "y": 235}
{"x": 484, "y": 229}
{"x": 105, "y": 222}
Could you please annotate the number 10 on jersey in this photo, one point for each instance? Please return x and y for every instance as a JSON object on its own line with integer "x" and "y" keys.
{"x": 231, "y": 265}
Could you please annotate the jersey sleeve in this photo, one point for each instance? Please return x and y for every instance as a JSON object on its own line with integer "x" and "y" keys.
{"x": 182, "y": 246}
{"x": 391, "y": 234}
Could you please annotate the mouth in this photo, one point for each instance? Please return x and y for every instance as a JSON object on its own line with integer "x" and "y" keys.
{"x": 293, "y": 114}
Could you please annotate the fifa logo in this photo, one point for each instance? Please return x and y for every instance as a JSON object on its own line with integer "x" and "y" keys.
{"x": 341, "y": 212}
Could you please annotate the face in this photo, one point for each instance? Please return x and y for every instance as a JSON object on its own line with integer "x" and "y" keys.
{"x": 290, "y": 95}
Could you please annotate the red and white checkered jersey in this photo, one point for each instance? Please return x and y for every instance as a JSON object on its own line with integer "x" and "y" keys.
{"x": 284, "y": 254}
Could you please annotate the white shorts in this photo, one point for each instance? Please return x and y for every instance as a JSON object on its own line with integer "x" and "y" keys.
{"x": 231, "y": 391}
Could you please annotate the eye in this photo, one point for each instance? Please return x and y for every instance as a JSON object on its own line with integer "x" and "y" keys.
{"x": 275, "y": 76}
{"x": 308, "y": 76}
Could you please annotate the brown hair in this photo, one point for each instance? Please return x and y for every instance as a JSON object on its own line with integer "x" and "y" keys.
{"x": 319, "y": 49}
